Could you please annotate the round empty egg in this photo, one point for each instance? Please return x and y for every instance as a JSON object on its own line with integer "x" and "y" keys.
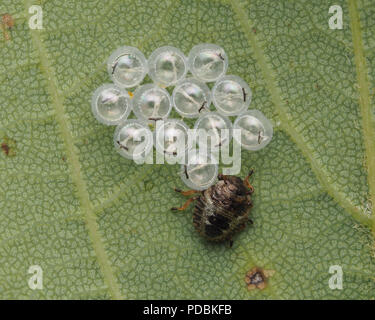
{"x": 208, "y": 62}
{"x": 200, "y": 170}
{"x": 256, "y": 130}
{"x": 110, "y": 104}
{"x": 171, "y": 138}
{"x": 167, "y": 66}
{"x": 231, "y": 95}
{"x": 191, "y": 98}
{"x": 151, "y": 102}
{"x": 127, "y": 67}
{"x": 133, "y": 139}
{"x": 217, "y": 127}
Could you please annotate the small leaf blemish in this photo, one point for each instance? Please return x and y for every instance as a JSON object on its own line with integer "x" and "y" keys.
{"x": 8, "y": 146}
{"x": 256, "y": 278}
{"x": 7, "y": 23}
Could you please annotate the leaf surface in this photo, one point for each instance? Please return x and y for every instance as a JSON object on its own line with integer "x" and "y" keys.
{"x": 100, "y": 226}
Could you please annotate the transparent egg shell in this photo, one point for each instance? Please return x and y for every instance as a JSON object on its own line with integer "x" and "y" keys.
{"x": 110, "y": 104}
{"x": 231, "y": 95}
{"x": 151, "y": 103}
{"x": 167, "y": 66}
{"x": 208, "y": 62}
{"x": 191, "y": 98}
{"x": 133, "y": 139}
{"x": 127, "y": 67}
{"x": 200, "y": 171}
{"x": 214, "y": 123}
{"x": 256, "y": 130}
{"x": 169, "y": 133}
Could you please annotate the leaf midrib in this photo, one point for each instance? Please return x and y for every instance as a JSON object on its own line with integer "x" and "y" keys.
{"x": 286, "y": 122}
{"x": 364, "y": 102}
{"x": 73, "y": 160}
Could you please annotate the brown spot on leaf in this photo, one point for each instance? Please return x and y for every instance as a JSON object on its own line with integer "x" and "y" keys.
{"x": 7, "y": 23}
{"x": 256, "y": 278}
{"x": 8, "y": 147}
{"x": 5, "y": 148}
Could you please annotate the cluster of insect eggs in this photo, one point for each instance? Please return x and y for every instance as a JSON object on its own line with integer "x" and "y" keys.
{"x": 191, "y": 98}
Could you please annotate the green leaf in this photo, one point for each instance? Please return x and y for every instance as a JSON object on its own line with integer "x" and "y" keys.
{"x": 100, "y": 226}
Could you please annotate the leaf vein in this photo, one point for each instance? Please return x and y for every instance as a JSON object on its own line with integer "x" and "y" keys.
{"x": 73, "y": 160}
{"x": 364, "y": 102}
{"x": 285, "y": 118}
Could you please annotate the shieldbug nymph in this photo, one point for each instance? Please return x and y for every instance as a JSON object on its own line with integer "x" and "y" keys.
{"x": 222, "y": 210}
